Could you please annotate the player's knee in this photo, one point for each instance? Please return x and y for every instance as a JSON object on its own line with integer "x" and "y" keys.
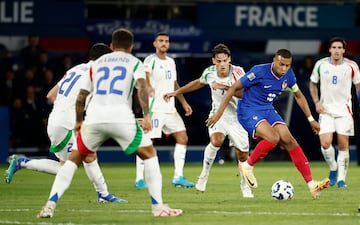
{"x": 325, "y": 144}
{"x": 216, "y": 143}
{"x": 181, "y": 137}
{"x": 146, "y": 152}
{"x": 90, "y": 157}
{"x": 275, "y": 139}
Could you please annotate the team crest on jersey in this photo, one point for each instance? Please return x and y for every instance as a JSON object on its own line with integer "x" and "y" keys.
{"x": 251, "y": 76}
{"x": 284, "y": 85}
{"x": 255, "y": 117}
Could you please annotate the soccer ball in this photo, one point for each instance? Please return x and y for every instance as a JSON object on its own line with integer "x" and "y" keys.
{"x": 282, "y": 190}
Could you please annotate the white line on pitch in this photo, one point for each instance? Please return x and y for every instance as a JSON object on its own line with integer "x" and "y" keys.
{"x": 206, "y": 212}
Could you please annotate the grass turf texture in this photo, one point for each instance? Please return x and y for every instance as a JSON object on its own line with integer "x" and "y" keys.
{"x": 222, "y": 203}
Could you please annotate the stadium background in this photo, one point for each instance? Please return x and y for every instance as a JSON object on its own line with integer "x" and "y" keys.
{"x": 253, "y": 30}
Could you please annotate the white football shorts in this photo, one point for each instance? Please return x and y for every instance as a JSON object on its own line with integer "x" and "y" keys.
{"x": 165, "y": 122}
{"x": 238, "y": 136}
{"x": 94, "y": 135}
{"x": 342, "y": 125}
{"x": 62, "y": 141}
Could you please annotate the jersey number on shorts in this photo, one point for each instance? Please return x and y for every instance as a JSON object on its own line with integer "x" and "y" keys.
{"x": 71, "y": 80}
{"x": 155, "y": 123}
{"x": 69, "y": 148}
{"x": 120, "y": 75}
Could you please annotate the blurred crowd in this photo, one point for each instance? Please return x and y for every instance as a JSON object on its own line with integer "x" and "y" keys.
{"x": 25, "y": 78}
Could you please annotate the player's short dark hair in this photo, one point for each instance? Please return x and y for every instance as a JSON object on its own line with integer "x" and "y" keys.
{"x": 122, "y": 38}
{"x": 161, "y": 33}
{"x": 98, "y": 50}
{"x": 284, "y": 53}
{"x": 220, "y": 48}
{"x": 337, "y": 39}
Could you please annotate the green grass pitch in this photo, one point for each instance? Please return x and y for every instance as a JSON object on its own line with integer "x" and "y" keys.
{"x": 222, "y": 203}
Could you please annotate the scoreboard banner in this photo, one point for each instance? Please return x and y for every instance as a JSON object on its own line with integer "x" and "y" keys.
{"x": 42, "y": 17}
{"x": 256, "y": 21}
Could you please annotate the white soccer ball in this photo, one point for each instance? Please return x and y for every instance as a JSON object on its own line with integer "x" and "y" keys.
{"x": 282, "y": 190}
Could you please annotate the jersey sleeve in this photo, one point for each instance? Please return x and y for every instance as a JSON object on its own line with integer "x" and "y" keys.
{"x": 292, "y": 81}
{"x": 237, "y": 72}
{"x": 356, "y": 73}
{"x": 315, "y": 74}
{"x": 139, "y": 71}
{"x": 250, "y": 78}
{"x": 86, "y": 79}
{"x": 149, "y": 64}
{"x": 205, "y": 75}
{"x": 85, "y": 82}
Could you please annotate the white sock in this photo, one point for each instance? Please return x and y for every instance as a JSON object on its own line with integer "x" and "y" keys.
{"x": 139, "y": 168}
{"x": 242, "y": 181}
{"x": 95, "y": 175}
{"x": 311, "y": 184}
{"x": 343, "y": 164}
{"x": 179, "y": 159}
{"x": 247, "y": 166}
{"x": 42, "y": 165}
{"x": 329, "y": 156}
{"x": 153, "y": 179}
{"x": 62, "y": 180}
{"x": 209, "y": 157}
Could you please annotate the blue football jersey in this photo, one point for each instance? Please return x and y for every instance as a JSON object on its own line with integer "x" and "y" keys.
{"x": 262, "y": 87}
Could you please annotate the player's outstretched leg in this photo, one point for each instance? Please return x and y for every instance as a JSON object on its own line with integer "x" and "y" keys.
{"x": 15, "y": 165}
{"x": 47, "y": 211}
{"x": 247, "y": 171}
{"x": 165, "y": 210}
{"x": 110, "y": 198}
{"x": 318, "y": 187}
{"x": 201, "y": 183}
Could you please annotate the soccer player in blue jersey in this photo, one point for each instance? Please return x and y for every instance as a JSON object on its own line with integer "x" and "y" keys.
{"x": 261, "y": 86}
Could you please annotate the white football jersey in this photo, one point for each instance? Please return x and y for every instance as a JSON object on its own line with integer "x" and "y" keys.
{"x": 335, "y": 84}
{"x": 111, "y": 81}
{"x": 210, "y": 76}
{"x": 162, "y": 78}
{"x": 63, "y": 112}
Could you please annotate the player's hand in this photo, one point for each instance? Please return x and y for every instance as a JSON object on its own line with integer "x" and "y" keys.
{"x": 188, "y": 109}
{"x": 77, "y": 126}
{"x": 151, "y": 91}
{"x": 219, "y": 86}
{"x": 319, "y": 108}
{"x": 167, "y": 96}
{"x": 315, "y": 126}
{"x": 146, "y": 123}
{"x": 210, "y": 122}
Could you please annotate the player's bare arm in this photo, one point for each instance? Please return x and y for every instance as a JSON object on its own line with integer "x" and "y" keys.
{"x": 189, "y": 87}
{"x": 149, "y": 86}
{"x": 357, "y": 88}
{"x": 218, "y": 86}
{"x": 303, "y": 104}
{"x": 143, "y": 97}
{"x": 182, "y": 100}
{"x": 237, "y": 86}
{"x": 313, "y": 88}
{"x": 80, "y": 107}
